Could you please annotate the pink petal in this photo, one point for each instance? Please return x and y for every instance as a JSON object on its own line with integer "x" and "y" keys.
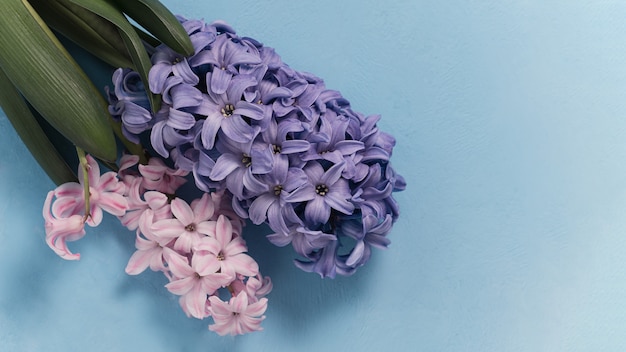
{"x": 140, "y": 260}
{"x": 208, "y": 244}
{"x": 113, "y": 203}
{"x": 236, "y": 246}
{"x": 69, "y": 189}
{"x": 240, "y": 302}
{"x": 177, "y": 264}
{"x": 219, "y": 307}
{"x": 93, "y": 171}
{"x": 95, "y": 216}
{"x": 167, "y": 228}
{"x": 196, "y": 302}
{"x": 241, "y": 264}
{"x": 59, "y": 231}
{"x": 144, "y": 244}
{"x": 223, "y": 230}
{"x": 182, "y": 211}
{"x": 206, "y": 228}
{"x": 258, "y": 308}
{"x": 203, "y": 208}
{"x": 205, "y": 264}
{"x": 181, "y": 286}
{"x": 212, "y": 282}
{"x": 108, "y": 182}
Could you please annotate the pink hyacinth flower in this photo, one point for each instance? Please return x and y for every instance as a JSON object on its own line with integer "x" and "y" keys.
{"x": 194, "y": 281}
{"x": 105, "y": 192}
{"x": 226, "y": 252}
{"x": 158, "y": 177}
{"x": 237, "y": 317}
{"x": 191, "y": 223}
{"x": 149, "y": 248}
{"x": 60, "y": 230}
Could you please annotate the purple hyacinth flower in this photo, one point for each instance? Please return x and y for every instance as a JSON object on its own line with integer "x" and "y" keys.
{"x": 368, "y": 232}
{"x": 240, "y": 164}
{"x": 330, "y": 191}
{"x": 323, "y": 261}
{"x": 128, "y": 87}
{"x": 279, "y": 136}
{"x": 287, "y": 185}
{"x": 304, "y": 90}
{"x": 303, "y": 240}
{"x": 224, "y": 55}
{"x": 226, "y": 112}
{"x": 171, "y": 129}
{"x": 330, "y": 142}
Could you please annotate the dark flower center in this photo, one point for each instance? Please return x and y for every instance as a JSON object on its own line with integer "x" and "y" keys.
{"x": 278, "y": 189}
{"x": 191, "y": 227}
{"x": 221, "y": 256}
{"x": 276, "y": 149}
{"x": 246, "y": 160}
{"x": 321, "y": 190}
{"x": 227, "y": 111}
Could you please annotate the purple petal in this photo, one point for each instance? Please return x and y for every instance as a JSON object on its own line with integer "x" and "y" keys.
{"x": 294, "y": 146}
{"x": 253, "y": 111}
{"x": 220, "y": 79}
{"x": 156, "y": 139}
{"x": 224, "y": 165}
{"x": 183, "y": 70}
{"x": 157, "y": 76}
{"x": 180, "y": 120}
{"x": 236, "y": 129}
{"x": 348, "y": 147}
{"x": 258, "y": 208}
{"x": 185, "y": 95}
{"x": 317, "y": 211}
{"x": 332, "y": 175}
{"x": 209, "y": 129}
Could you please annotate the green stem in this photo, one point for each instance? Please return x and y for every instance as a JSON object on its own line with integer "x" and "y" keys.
{"x": 82, "y": 159}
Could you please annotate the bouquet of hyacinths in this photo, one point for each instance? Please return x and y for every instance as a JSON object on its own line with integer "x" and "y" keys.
{"x": 193, "y": 101}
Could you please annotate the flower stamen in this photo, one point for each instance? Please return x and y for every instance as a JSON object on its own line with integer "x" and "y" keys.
{"x": 246, "y": 160}
{"x": 227, "y": 110}
{"x": 321, "y": 190}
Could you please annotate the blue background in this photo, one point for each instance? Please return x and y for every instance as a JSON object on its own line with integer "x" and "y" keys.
{"x": 509, "y": 117}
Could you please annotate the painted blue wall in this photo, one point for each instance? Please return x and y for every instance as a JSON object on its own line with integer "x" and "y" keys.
{"x": 511, "y": 134}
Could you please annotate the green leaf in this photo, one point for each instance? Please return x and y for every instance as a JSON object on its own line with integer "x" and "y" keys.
{"x": 88, "y": 30}
{"x": 135, "y": 46}
{"x": 160, "y": 22}
{"x": 47, "y": 76}
{"x": 32, "y": 134}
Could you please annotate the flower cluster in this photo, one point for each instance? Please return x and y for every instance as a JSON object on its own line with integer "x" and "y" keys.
{"x": 197, "y": 246}
{"x": 291, "y": 152}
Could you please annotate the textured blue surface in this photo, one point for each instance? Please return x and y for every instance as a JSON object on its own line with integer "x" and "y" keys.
{"x": 511, "y": 133}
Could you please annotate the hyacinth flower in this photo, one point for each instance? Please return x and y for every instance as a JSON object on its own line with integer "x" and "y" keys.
{"x": 260, "y": 127}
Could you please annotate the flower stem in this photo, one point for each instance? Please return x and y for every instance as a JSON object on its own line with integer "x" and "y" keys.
{"x": 82, "y": 159}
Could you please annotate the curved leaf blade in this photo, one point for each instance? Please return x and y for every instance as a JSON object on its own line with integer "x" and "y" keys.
{"x": 31, "y": 133}
{"x": 160, "y": 22}
{"x": 48, "y": 77}
{"x": 135, "y": 46}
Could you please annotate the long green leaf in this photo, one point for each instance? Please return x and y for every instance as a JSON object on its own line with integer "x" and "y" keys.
{"x": 29, "y": 130}
{"x": 135, "y": 46}
{"x": 47, "y": 76}
{"x": 160, "y": 22}
{"x": 88, "y": 30}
